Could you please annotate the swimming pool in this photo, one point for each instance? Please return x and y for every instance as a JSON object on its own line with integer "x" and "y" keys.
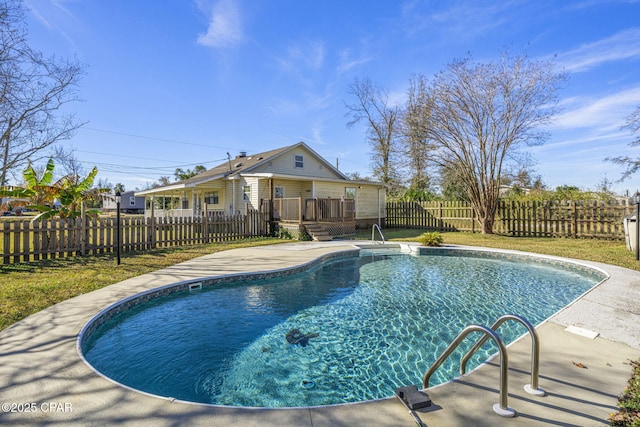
{"x": 380, "y": 318}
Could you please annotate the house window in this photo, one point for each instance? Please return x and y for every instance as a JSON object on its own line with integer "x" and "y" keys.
{"x": 350, "y": 193}
{"x": 211, "y": 198}
{"x": 246, "y": 193}
{"x": 278, "y": 192}
{"x": 185, "y": 203}
{"x": 132, "y": 201}
{"x": 298, "y": 161}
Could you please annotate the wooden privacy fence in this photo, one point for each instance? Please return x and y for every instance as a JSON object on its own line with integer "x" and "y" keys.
{"x": 440, "y": 216}
{"x": 24, "y": 241}
{"x": 578, "y": 219}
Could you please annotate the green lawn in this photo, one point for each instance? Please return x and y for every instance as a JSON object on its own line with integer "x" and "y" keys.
{"x": 607, "y": 251}
{"x": 28, "y": 288}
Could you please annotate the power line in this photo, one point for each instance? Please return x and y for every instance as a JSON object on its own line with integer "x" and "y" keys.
{"x": 131, "y": 135}
{"x": 121, "y": 166}
{"x": 120, "y": 155}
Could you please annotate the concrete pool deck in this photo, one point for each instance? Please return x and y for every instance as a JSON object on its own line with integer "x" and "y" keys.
{"x": 43, "y": 381}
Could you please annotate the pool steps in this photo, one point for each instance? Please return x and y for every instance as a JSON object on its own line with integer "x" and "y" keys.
{"x": 412, "y": 400}
{"x": 373, "y": 235}
{"x": 531, "y": 388}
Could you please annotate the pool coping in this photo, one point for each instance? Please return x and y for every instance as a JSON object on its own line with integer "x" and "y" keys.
{"x": 40, "y": 367}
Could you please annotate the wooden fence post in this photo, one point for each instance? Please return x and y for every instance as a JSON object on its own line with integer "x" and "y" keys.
{"x": 152, "y": 227}
{"x": 84, "y": 232}
{"x": 7, "y": 242}
{"x": 247, "y": 229}
{"x": 575, "y": 219}
{"x": 473, "y": 220}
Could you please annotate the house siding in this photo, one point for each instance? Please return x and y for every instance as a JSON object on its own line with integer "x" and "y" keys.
{"x": 254, "y": 196}
{"x": 220, "y": 188}
{"x": 331, "y": 190}
{"x": 292, "y": 188}
{"x": 285, "y": 165}
{"x": 367, "y": 200}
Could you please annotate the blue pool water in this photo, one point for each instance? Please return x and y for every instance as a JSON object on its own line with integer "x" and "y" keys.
{"x": 377, "y": 323}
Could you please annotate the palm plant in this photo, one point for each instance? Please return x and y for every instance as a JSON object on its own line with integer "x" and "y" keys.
{"x": 70, "y": 190}
{"x": 38, "y": 190}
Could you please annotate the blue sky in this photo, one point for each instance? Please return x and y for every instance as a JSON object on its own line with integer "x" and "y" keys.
{"x": 177, "y": 83}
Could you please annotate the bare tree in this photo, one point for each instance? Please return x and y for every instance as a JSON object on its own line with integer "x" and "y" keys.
{"x": 632, "y": 165}
{"x": 382, "y": 119}
{"x": 481, "y": 114}
{"x": 416, "y": 120}
{"x": 33, "y": 91}
{"x": 67, "y": 160}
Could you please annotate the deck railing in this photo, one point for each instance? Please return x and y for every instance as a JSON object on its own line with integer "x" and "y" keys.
{"x": 313, "y": 209}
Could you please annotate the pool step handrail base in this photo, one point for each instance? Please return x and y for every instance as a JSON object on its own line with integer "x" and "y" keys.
{"x": 507, "y": 412}
{"x": 413, "y": 399}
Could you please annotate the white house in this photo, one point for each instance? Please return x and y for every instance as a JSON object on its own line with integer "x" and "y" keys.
{"x": 294, "y": 184}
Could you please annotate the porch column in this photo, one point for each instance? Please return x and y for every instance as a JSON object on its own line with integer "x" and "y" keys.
{"x": 233, "y": 196}
{"x": 272, "y": 196}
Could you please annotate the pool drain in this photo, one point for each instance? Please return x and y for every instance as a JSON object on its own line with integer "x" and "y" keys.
{"x": 308, "y": 384}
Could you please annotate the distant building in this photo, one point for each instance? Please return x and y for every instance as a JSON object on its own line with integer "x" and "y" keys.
{"x": 130, "y": 203}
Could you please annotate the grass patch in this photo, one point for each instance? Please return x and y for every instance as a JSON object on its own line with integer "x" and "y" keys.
{"x": 30, "y": 287}
{"x": 629, "y": 402}
{"x": 606, "y": 251}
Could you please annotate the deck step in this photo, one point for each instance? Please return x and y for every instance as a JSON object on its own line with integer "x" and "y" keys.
{"x": 317, "y": 232}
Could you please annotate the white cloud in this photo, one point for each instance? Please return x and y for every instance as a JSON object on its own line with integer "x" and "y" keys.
{"x": 457, "y": 20}
{"x": 605, "y": 113}
{"x": 225, "y": 26}
{"x": 620, "y": 46}
{"x": 310, "y": 56}
{"x": 316, "y": 134}
{"x": 347, "y": 62}
{"x": 54, "y": 15}
{"x": 44, "y": 12}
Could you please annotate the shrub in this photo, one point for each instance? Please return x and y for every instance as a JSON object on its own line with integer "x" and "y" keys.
{"x": 283, "y": 233}
{"x": 431, "y": 239}
{"x": 629, "y": 402}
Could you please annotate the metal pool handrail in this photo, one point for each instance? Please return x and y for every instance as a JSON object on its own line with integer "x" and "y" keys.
{"x": 373, "y": 229}
{"x": 535, "y": 352}
{"x": 500, "y": 408}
